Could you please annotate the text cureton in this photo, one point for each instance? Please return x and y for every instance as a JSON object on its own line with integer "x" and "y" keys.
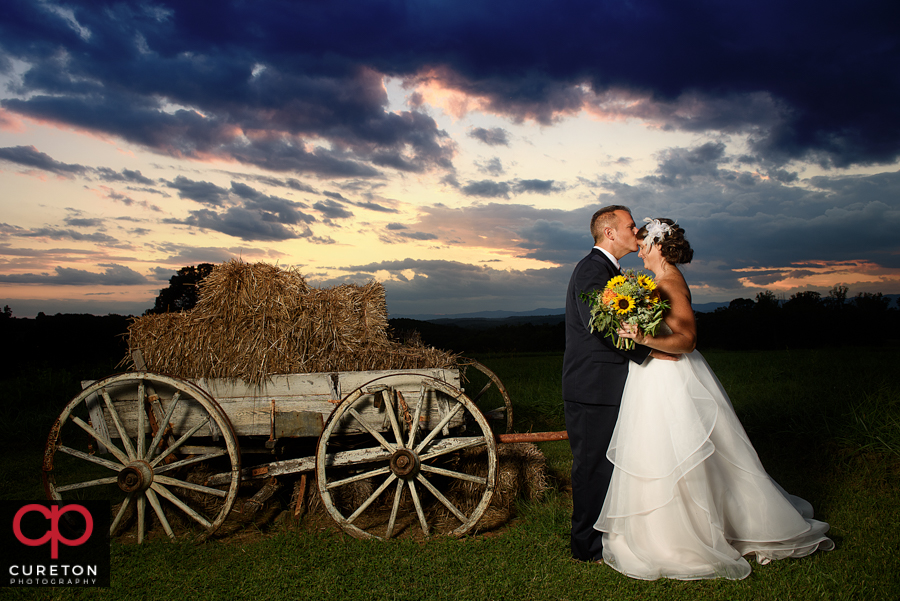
{"x": 52, "y": 570}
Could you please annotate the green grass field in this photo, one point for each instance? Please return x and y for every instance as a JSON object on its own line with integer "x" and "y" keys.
{"x": 826, "y": 424}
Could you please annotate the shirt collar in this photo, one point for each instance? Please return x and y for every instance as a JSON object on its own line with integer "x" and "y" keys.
{"x": 610, "y": 257}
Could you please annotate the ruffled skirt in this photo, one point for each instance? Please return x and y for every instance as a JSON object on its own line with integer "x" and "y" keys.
{"x": 689, "y": 497}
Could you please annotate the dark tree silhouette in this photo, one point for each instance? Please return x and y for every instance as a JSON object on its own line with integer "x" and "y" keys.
{"x": 181, "y": 294}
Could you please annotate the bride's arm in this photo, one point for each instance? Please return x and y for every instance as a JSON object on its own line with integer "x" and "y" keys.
{"x": 680, "y": 319}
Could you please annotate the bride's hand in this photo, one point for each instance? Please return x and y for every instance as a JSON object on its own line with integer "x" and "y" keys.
{"x": 628, "y": 330}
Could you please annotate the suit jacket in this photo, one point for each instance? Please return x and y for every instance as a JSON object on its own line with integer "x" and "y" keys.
{"x": 594, "y": 370}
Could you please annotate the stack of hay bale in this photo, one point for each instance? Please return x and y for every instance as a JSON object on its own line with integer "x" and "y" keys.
{"x": 255, "y": 320}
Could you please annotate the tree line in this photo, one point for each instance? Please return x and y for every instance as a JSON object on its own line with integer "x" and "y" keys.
{"x": 805, "y": 320}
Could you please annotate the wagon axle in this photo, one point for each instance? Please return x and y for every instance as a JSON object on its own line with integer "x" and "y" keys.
{"x": 136, "y": 477}
{"x": 405, "y": 463}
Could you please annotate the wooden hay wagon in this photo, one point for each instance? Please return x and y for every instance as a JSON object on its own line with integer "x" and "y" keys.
{"x": 275, "y": 379}
{"x": 392, "y": 451}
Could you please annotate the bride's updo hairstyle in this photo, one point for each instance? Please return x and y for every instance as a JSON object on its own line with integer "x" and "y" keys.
{"x": 668, "y": 236}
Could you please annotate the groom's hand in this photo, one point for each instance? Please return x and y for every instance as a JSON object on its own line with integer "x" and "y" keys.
{"x": 664, "y": 356}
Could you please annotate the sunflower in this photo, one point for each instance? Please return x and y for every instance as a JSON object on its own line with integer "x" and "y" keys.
{"x": 624, "y": 304}
{"x": 616, "y": 281}
{"x": 646, "y": 282}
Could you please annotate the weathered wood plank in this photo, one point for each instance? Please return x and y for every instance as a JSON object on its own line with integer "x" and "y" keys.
{"x": 297, "y": 399}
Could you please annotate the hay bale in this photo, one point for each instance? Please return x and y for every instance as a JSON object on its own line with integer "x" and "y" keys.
{"x": 522, "y": 474}
{"x": 255, "y": 320}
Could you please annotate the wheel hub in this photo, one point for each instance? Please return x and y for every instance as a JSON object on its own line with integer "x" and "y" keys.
{"x": 405, "y": 463}
{"x": 135, "y": 477}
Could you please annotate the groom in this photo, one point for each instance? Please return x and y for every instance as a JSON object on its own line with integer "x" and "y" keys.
{"x": 593, "y": 377}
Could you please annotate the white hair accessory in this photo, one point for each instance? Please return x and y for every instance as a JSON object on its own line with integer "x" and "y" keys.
{"x": 656, "y": 230}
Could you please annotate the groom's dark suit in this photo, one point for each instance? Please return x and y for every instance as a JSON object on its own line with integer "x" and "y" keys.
{"x": 594, "y": 373}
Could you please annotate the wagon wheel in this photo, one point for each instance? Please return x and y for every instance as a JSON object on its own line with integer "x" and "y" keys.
{"x": 95, "y": 451}
{"x": 493, "y": 381}
{"x": 383, "y": 456}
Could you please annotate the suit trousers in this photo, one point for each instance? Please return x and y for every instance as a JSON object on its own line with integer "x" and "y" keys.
{"x": 590, "y": 429}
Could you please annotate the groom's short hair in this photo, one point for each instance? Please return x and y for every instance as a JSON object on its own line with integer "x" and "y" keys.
{"x": 606, "y": 217}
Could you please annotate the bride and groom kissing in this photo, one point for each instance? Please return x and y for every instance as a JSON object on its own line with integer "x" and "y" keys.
{"x": 665, "y": 482}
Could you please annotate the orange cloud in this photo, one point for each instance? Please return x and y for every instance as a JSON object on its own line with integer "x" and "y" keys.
{"x": 857, "y": 274}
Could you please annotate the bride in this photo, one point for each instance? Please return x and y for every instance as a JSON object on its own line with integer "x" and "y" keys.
{"x": 689, "y": 497}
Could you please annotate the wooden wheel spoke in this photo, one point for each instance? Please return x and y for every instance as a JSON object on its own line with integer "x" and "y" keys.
{"x": 190, "y": 460}
{"x": 120, "y": 514}
{"x": 189, "y": 485}
{"x": 141, "y": 517}
{"x": 418, "y": 503}
{"x": 163, "y": 426}
{"x": 482, "y": 391}
{"x": 92, "y": 458}
{"x": 117, "y": 421}
{"x": 372, "y": 497}
{"x": 141, "y": 418}
{"x": 116, "y": 451}
{"x": 358, "y": 477}
{"x": 434, "y": 432}
{"x": 375, "y": 434}
{"x": 453, "y": 509}
{"x": 458, "y": 445}
{"x": 169, "y": 496}
{"x": 180, "y": 442}
{"x": 395, "y": 508}
{"x": 160, "y": 514}
{"x": 415, "y": 425}
{"x": 87, "y": 484}
{"x": 458, "y": 475}
{"x": 390, "y": 402}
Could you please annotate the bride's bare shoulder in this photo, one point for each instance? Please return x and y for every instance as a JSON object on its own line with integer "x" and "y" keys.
{"x": 672, "y": 284}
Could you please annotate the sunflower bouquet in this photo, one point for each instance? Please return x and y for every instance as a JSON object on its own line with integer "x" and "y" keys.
{"x": 628, "y": 298}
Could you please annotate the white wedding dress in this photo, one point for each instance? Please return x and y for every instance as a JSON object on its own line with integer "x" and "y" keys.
{"x": 689, "y": 496}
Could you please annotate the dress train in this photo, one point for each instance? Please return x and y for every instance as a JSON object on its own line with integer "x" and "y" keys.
{"x": 689, "y": 497}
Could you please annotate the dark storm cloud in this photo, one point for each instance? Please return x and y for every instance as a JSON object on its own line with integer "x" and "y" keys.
{"x": 240, "y": 223}
{"x": 275, "y": 182}
{"x": 495, "y": 136}
{"x": 537, "y": 186}
{"x": 115, "y": 275}
{"x": 53, "y": 233}
{"x": 332, "y": 210}
{"x": 487, "y": 189}
{"x": 492, "y": 166}
{"x": 806, "y": 80}
{"x": 127, "y": 176}
{"x": 679, "y": 166}
{"x": 285, "y": 211}
{"x": 83, "y": 222}
{"x": 373, "y": 206}
{"x": 417, "y": 235}
{"x": 242, "y": 211}
{"x": 29, "y": 156}
{"x": 203, "y": 192}
{"x": 490, "y": 189}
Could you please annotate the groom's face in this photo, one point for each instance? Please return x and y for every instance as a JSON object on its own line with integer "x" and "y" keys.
{"x": 625, "y": 233}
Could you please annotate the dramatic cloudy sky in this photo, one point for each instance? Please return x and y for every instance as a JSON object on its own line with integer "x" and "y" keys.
{"x": 453, "y": 150}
